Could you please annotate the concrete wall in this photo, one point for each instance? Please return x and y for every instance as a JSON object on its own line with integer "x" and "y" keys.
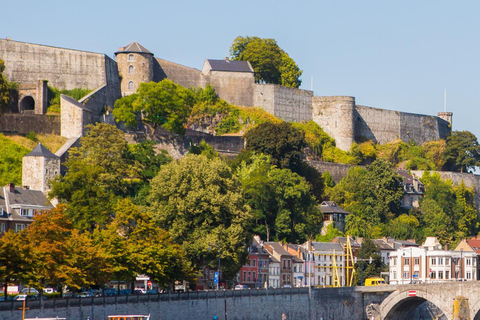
{"x": 334, "y": 303}
{"x": 25, "y": 123}
{"x": 336, "y": 116}
{"x": 337, "y": 170}
{"x": 63, "y": 68}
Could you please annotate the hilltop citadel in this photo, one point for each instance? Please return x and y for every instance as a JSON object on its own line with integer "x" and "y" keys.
{"x": 33, "y": 66}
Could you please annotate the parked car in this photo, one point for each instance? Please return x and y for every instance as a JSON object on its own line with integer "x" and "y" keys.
{"x": 9, "y": 298}
{"x": 49, "y": 290}
{"x": 241, "y": 287}
{"x": 110, "y": 291}
{"x": 125, "y": 291}
{"x": 85, "y": 294}
{"x": 29, "y": 290}
{"x": 23, "y": 297}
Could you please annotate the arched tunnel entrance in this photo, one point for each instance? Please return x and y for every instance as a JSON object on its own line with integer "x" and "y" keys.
{"x": 27, "y": 104}
{"x": 415, "y": 308}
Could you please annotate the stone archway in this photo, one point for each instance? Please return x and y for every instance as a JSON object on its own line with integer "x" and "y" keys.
{"x": 401, "y": 303}
{"x": 27, "y": 104}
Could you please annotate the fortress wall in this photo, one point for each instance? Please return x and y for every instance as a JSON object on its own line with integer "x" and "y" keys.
{"x": 184, "y": 76}
{"x": 25, "y": 123}
{"x": 74, "y": 117}
{"x": 419, "y": 128}
{"x": 376, "y": 124}
{"x": 113, "y": 91}
{"x": 336, "y": 117}
{"x": 288, "y": 104}
{"x": 234, "y": 87}
{"x": 63, "y": 68}
{"x": 337, "y": 170}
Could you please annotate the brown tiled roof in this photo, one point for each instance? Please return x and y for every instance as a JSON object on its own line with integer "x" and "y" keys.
{"x": 331, "y": 207}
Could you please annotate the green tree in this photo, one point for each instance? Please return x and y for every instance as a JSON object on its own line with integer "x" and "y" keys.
{"x": 462, "y": 152}
{"x": 270, "y": 63}
{"x": 280, "y": 200}
{"x": 404, "y": 227}
{"x": 5, "y": 88}
{"x": 282, "y": 142}
{"x": 331, "y": 232}
{"x": 97, "y": 172}
{"x": 205, "y": 149}
{"x": 200, "y": 203}
{"x": 164, "y": 104}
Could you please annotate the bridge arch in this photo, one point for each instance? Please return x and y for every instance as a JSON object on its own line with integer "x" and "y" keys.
{"x": 400, "y": 301}
{"x": 475, "y": 310}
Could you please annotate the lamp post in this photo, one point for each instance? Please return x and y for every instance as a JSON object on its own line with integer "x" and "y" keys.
{"x": 219, "y": 263}
{"x": 410, "y": 265}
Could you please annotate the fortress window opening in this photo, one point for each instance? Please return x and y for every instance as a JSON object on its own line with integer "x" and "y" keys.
{"x": 130, "y": 69}
{"x": 131, "y": 57}
{"x": 130, "y": 85}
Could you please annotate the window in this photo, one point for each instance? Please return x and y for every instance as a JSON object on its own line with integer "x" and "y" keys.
{"x": 2, "y": 228}
{"x": 300, "y": 268}
{"x": 131, "y": 57}
{"x": 440, "y": 274}
{"x": 394, "y": 275}
{"x": 19, "y": 227}
{"x": 405, "y": 275}
{"x": 469, "y": 261}
{"x": 254, "y": 262}
{"x": 417, "y": 261}
{"x": 406, "y": 261}
{"x": 433, "y": 275}
{"x": 440, "y": 261}
{"x": 244, "y": 275}
{"x": 130, "y": 69}
{"x": 434, "y": 261}
{"x": 469, "y": 275}
{"x": 26, "y": 212}
{"x": 394, "y": 261}
{"x": 447, "y": 274}
{"x": 130, "y": 85}
{"x": 254, "y": 275}
{"x": 447, "y": 261}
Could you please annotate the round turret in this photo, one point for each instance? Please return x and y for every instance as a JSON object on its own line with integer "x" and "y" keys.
{"x": 135, "y": 65}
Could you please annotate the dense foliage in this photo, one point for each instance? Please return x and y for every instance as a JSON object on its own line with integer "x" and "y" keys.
{"x": 11, "y": 161}
{"x": 462, "y": 152}
{"x": 199, "y": 201}
{"x": 281, "y": 203}
{"x": 282, "y": 142}
{"x": 163, "y": 103}
{"x": 270, "y": 63}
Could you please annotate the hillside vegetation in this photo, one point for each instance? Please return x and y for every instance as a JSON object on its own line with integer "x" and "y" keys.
{"x": 14, "y": 147}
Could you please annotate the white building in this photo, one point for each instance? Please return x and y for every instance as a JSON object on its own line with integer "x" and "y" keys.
{"x": 429, "y": 263}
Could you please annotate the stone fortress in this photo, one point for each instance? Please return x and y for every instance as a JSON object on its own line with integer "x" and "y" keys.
{"x": 33, "y": 66}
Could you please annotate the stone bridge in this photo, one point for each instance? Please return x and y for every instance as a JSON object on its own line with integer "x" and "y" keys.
{"x": 453, "y": 301}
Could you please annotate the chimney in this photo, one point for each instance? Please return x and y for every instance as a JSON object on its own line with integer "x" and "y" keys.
{"x": 11, "y": 187}
{"x": 227, "y": 59}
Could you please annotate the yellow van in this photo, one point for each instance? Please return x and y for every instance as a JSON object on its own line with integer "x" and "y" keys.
{"x": 375, "y": 282}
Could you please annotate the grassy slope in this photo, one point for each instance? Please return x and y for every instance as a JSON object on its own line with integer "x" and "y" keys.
{"x": 13, "y": 148}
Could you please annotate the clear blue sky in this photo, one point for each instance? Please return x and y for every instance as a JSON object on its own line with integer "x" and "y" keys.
{"x": 397, "y": 55}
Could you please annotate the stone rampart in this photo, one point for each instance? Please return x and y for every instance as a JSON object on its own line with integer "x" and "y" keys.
{"x": 337, "y": 170}
{"x": 182, "y": 75}
{"x": 288, "y": 104}
{"x": 234, "y": 87}
{"x": 63, "y": 68}
{"x": 335, "y": 115}
{"x": 25, "y": 123}
{"x": 383, "y": 126}
{"x": 75, "y": 117}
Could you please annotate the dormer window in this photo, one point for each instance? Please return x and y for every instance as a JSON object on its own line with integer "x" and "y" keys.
{"x": 26, "y": 212}
{"x": 131, "y": 57}
{"x": 130, "y": 69}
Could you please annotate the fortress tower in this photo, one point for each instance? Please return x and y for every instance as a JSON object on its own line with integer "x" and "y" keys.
{"x": 447, "y": 116}
{"x": 39, "y": 167}
{"x": 135, "y": 65}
